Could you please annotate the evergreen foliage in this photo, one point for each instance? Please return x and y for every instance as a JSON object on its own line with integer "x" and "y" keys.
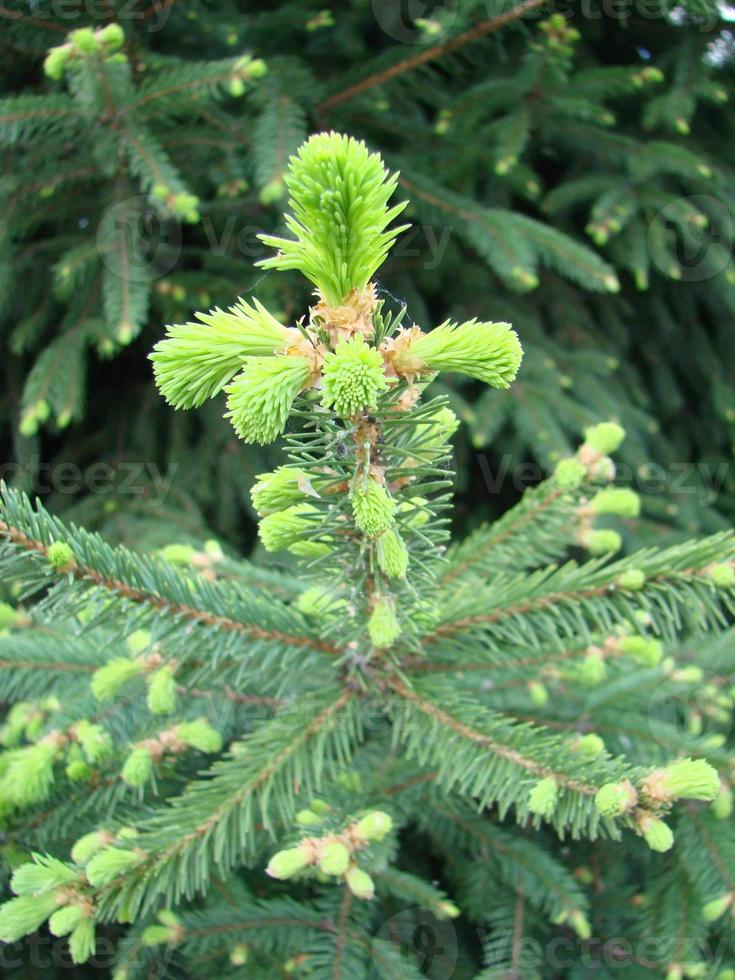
{"x": 571, "y": 172}
{"x": 216, "y": 766}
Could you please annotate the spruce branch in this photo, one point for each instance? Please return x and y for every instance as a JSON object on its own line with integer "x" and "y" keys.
{"x": 481, "y": 29}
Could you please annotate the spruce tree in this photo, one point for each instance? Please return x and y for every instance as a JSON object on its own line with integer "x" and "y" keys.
{"x": 413, "y": 757}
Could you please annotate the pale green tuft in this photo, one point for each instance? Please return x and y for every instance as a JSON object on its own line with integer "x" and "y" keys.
{"x": 94, "y": 740}
{"x": 275, "y": 491}
{"x": 42, "y": 875}
{"x": 138, "y": 767}
{"x": 199, "y": 734}
{"x": 197, "y": 360}
{"x": 543, "y": 797}
{"x": 490, "y": 352}
{"x": 615, "y": 799}
{"x": 60, "y": 556}
{"x": 569, "y": 473}
{"x": 373, "y": 508}
{"x": 632, "y": 580}
{"x": 334, "y": 859}
{"x": 722, "y": 575}
{"x": 692, "y": 779}
{"x": 64, "y": 920}
{"x": 392, "y": 554}
{"x": 604, "y": 438}
{"x": 713, "y": 910}
{"x": 287, "y": 863}
{"x": 107, "y": 680}
{"x": 645, "y": 651}
{"x": 338, "y": 193}
{"x": 353, "y": 377}
{"x": 88, "y": 845}
{"x": 620, "y": 501}
{"x": 162, "y": 691}
{"x": 373, "y": 826}
{"x": 107, "y": 864}
{"x": 656, "y": 833}
{"x": 383, "y": 626}
{"x": 360, "y": 883}
{"x": 286, "y": 527}
{"x": 21, "y": 916}
{"x": 261, "y": 397}
{"x": 82, "y": 941}
{"x": 602, "y": 541}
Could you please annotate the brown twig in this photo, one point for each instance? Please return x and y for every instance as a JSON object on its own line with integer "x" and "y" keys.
{"x": 481, "y": 29}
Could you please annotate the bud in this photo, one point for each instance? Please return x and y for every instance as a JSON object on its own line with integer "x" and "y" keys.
{"x": 56, "y": 61}
{"x": 278, "y": 490}
{"x": 539, "y": 694}
{"x": 94, "y": 740}
{"x": 722, "y": 576}
{"x": 78, "y": 771}
{"x": 239, "y": 954}
{"x": 286, "y": 527}
{"x": 65, "y": 919}
{"x": 569, "y": 473}
{"x": 307, "y": 818}
{"x": 42, "y": 875}
{"x": 285, "y": 864}
{"x": 373, "y": 826}
{"x": 620, "y": 501}
{"x": 602, "y": 541}
{"x": 717, "y": 907}
{"x": 490, "y": 352}
{"x": 580, "y": 923}
{"x": 392, "y": 554}
{"x": 162, "y": 691}
{"x": 334, "y": 859}
{"x": 383, "y": 626}
{"x": 448, "y": 909}
{"x": 646, "y": 652}
{"x": 10, "y": 617}
{"x": 655, "y": 832}
{"x": 633, "y": 580}
{"x": 112, "y": 37}
{"x": 544, "y": 797}
{"x": 84, "y": 40}
{"x": 60, "y": 556}
{"x": 692, "y": 779}
{"x": 360, "y": 883}
{"x": 107, "y": 680}
{"x": 111, "y": 862}
{"x": 82, "y": 941}
{"x": 373, "y": 508}
{"x": 604, "y": 438}
{"x": 178, "y": 554}
{"x": 200, "y": 735}
{"x": 353, "y": 377}
{"x": 88, "y": 845}
{"x": 155, "y": 935}
{"x": 590, "y": 744}
{"x": 262, "y": 395}
{"x": 615, "y": 799}
{"x": 21, "y": 916}
{"x": 138, "y": 767}
{"x": 722, "y": 806}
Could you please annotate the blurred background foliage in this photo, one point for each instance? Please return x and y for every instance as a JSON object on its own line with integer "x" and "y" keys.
{"x": 569, "y": 169}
